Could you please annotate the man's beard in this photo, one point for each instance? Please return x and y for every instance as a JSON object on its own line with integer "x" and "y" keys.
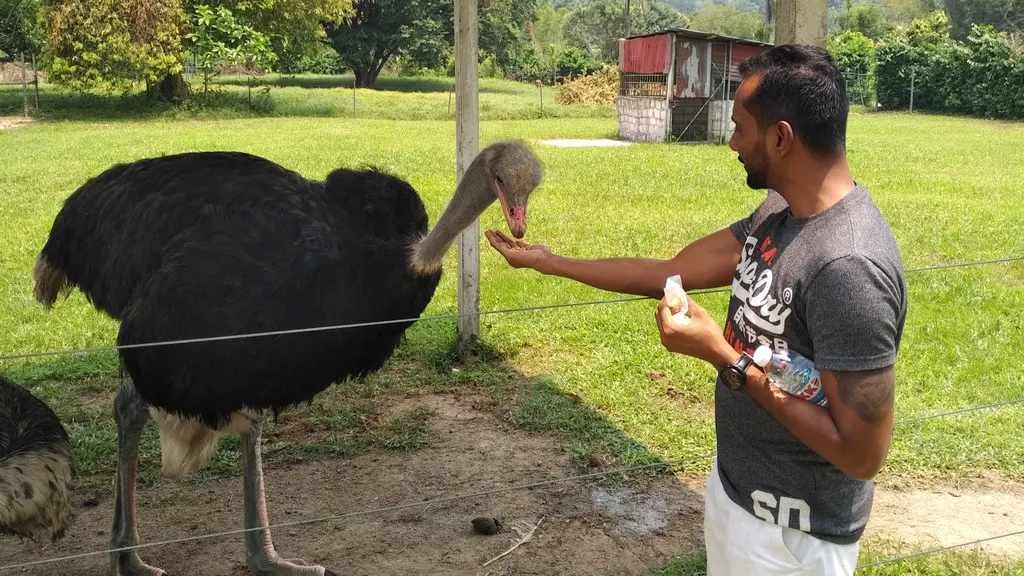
{"x": 757, "y": 177}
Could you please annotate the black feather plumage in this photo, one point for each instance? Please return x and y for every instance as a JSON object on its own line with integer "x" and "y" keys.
{"x": 221, "y": 243}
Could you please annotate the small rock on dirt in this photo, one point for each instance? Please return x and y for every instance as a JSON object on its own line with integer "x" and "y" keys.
{"x": 488, "y": 526}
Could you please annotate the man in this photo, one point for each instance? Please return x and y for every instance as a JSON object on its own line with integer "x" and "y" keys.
{"x": 815, "y": 269}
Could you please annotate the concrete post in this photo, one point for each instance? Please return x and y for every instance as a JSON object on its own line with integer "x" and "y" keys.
{"x": 801, "y": 22}
{"x": 467, "y": 139}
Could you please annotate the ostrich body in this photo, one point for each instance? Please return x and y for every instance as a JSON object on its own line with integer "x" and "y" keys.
{"x": 215, "y": 244}
{"x": 36, "y": 467}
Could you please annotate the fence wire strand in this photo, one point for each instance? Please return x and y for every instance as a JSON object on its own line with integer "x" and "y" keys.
{"x": 938, "y": 550}
{"x": 567, "y": 479}
{"x": 207, "y": 339}
{"x": 368, "y": 512}
{"x": 963, "y": 411}
{"x": 667, "y": 464}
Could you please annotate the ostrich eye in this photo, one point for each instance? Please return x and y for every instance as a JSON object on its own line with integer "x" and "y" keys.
{"x": 498, "y": 178}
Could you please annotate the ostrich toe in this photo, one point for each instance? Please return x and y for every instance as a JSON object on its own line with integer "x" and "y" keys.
{"x": 129, "y": 564}
{"x": 262, "y": 567}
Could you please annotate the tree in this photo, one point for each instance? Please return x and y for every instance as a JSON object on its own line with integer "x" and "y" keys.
{"x": 730, "y": 22}
{"x": 904, "y": 11}
{"x": 854, "y": 52}
{"x": 110, "y": 44}
{"x": 694, "y": 6}
{"x": 547, "y": 30}
{"x": 218, "y": 38}
{"x": 595, "y": 28}
{"x": 980, "y": 76}
{"x": 379, "y": 30}
{"x": 869, "y": 20}
{"x": 855, "y": 56}
{"x": 423, "y": 32}
{"x": 19, "y": 31}
{"x": 293, "y": 27}
{"x": 116, "y": 44}
{"x": 909, "y": 51}
{"x": 1003, "y": 15}
{"x": 503, "y": 29}
{"x": 649, "y": 16}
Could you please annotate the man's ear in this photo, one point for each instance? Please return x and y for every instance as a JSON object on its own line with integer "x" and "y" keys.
{"x": 783, "y": 139}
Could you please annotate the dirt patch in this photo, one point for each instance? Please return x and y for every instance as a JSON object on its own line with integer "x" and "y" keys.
{"x": 623, "y": 528}
{"x": 7, "y": 122}
{"x": 946, "y": 516}
{"x": 12, "y": 72}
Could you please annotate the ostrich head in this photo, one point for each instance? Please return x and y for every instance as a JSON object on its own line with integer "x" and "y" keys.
{"x": 507, "y": 172}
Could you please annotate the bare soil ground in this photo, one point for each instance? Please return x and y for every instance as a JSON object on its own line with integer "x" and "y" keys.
{"x": 7, "y": 122}
{"x": 624, "y": 527}
{"x": 949, "y": 515}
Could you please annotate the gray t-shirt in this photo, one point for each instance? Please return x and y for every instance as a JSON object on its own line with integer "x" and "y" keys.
{"x": 831, "y": 288}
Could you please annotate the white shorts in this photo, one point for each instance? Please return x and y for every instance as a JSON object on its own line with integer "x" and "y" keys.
{"x": 740, "y": 544}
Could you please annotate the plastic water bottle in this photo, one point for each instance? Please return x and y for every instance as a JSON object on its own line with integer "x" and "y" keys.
{"x": 793, "y": 373}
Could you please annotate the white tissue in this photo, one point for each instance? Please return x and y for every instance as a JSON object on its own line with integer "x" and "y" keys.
{"x": 674, "y": 292}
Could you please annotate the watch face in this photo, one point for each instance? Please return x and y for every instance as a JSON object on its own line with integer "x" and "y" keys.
{"x": 732, "y": 378}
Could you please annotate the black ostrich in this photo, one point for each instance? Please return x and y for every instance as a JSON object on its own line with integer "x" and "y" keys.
{"x": 36, "y": 467}
{"x": 212, "y": 244}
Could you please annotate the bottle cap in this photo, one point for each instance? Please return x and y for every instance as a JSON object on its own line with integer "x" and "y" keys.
{"x": 762, "y": 356}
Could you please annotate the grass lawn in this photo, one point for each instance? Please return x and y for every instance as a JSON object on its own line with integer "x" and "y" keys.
{"x": 951, "y": 563}
{"x": 949, "y": 187}
{"x": 311, "y": 97}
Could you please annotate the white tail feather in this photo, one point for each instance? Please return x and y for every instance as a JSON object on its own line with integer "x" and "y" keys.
{"x": 186, "y": 444}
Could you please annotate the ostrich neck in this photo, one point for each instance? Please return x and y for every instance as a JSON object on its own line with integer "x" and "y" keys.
{"x": 472, "y": 197}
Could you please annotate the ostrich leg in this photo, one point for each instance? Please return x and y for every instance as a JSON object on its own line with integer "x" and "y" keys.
{"x": 131, "y": 413}
{"x": 260, "y": 555}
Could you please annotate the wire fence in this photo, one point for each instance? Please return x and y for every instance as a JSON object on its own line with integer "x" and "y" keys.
{"x": 938, "y": 550}
{"x": 666, "y": 465}
{"x": 860, "y": 88}
{"x": 17, "y": 73}
{"x": 78, "y": 351}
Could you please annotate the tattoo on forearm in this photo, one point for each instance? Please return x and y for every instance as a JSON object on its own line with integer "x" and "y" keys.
{"x": 869, "y": 393}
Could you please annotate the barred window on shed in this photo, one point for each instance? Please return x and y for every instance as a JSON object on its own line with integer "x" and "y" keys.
{"x": 643, "y": 85}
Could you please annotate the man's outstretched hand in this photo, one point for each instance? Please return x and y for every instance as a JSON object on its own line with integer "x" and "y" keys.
{"x": 519, "y": 254}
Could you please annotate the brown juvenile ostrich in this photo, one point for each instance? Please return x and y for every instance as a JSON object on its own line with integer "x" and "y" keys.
{"x": 36, "y": 467}
{"x": 213, "y": 244}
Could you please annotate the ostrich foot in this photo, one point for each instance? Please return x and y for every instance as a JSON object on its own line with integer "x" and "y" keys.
{"x": 260, "y": 556}
{"x": 129, "y": 564}
{"x": 270, "y": 565}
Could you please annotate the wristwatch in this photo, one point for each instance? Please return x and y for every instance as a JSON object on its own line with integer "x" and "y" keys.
{"x": 735, "y": 375}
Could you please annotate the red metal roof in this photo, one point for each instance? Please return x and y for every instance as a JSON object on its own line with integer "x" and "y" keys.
{"x": 699, "y": 35}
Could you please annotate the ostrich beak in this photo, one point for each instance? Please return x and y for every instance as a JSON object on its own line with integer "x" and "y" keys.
{"x": 517, "y": 223}
{"x": 515, "y": 216}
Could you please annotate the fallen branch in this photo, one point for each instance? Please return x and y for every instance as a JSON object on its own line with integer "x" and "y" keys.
{"x": 523, "y": 539}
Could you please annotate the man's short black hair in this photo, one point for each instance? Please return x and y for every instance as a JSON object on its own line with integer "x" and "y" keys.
{"x": 801, "y": 85}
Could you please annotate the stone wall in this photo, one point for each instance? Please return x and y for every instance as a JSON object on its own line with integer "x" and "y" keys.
{"x": 720, "y": 124}
{"x": 643, "y": 119}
